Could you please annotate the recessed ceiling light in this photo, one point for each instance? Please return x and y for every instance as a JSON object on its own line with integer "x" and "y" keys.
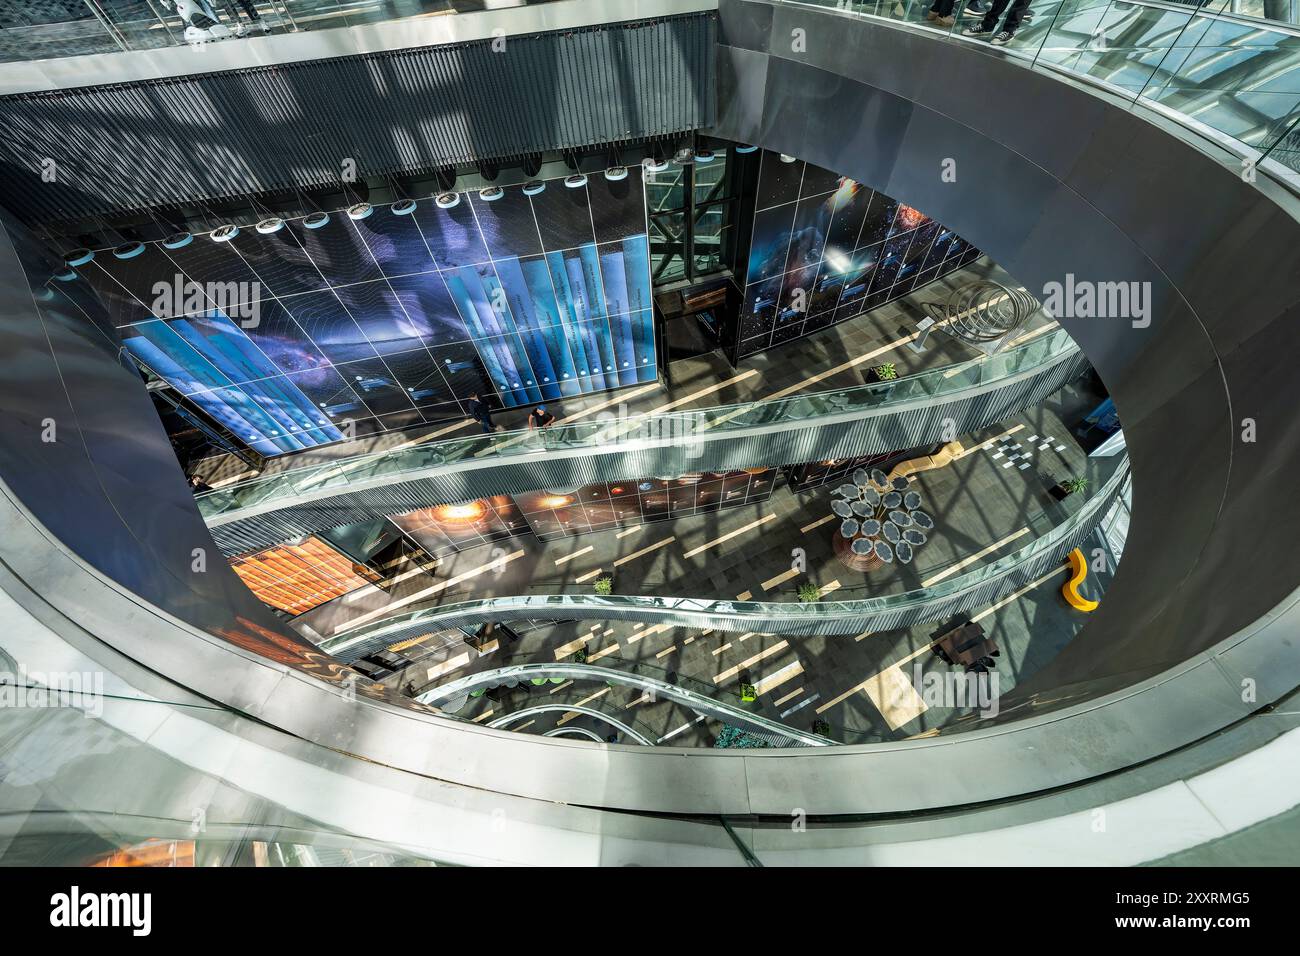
{"x": 491, "y": 193}
{"x": 225, "y": 233}
{"x": 403, "y": 207}
{"x": 447, "y": 200}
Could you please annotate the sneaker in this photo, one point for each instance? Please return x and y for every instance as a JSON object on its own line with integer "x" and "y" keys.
{"x": 975, "y": 10}
{"x": 1028, "y": 17}
{"x": 978, "y": 30}
{"x": 1003, "y": 38}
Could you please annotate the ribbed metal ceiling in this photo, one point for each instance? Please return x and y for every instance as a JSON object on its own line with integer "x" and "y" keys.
{"x": 217, "y": 136}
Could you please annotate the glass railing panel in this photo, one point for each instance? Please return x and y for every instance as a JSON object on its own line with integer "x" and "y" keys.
{"x": 677, "y": 427}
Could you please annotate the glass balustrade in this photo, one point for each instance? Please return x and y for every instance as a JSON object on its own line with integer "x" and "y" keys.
{"x": 1227, "y": 66}
{"x": 941, "y": 383}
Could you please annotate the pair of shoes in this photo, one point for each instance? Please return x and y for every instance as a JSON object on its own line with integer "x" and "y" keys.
{"x": 978, "y": 30}
{"x": 1003, "y": 38}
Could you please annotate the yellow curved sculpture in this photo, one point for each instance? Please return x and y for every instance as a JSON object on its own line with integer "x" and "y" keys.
{"x": 1078, "y": 571}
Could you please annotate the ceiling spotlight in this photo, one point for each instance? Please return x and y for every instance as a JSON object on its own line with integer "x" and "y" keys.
{"x": 447, "y": 200}
{"x": 576, "y": 181}
{"x": 652, "y": 165}
{"x": 225, "y": 233}
{"x": 704, "y": 156}
{"x": 533, "y": 187}
{"x": 491, "y": 193}
{"x": 787, "y": 158}
{"x": 360, "y": 210}
{"x": 129, "y": 250}
{"x": 177, "y": 240}
{"x": 403, "y": 207}
{"x": 744, "y": 149}
{"x": 78, "y": 257}
{"x": 270, "y": 225}
{"x": 616, "y": 173}
{"x": 316, "y": 220}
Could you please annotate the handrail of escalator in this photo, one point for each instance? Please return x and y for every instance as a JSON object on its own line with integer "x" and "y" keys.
{"x": 790, "y": 617}
{"x": 946, "y": 382}
{"x": 698, "y": 702}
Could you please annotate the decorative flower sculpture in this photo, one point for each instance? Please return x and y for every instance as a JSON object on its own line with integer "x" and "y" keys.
{"x": 881, "y": 520}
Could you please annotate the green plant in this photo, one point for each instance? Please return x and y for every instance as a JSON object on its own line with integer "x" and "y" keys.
{"x": 580, "y": 655}
{"x": 748, "y": 693}
{"x": 604, "y": 585}
{"x": 809, "y": 592}
{"x": 886, "y": 372}
{"x": 821, "y": 727}
{"x": 1074, "y": 485}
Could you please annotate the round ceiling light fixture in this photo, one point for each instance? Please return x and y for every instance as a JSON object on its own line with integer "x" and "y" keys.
{"x": 225, "y": 233}
{"x": 576, "y": 181}
{"x": 652, "y": 165}
{"x": 616, "y": 173}
{"x": 65, "y": 275}
{"x": 316, "y": 220}
{"x": 78, "y": 257}
{"x": 787, "y": 158}
{"x": 403, "y": 207}
{"x": 447, "y": 200}
{"x": 177, "y": 240}
{"x": 269, "y": 225}
{"x": 743, "y": 149}
{"x": 129, "y": 250}
{"x": 704, "y": 156}
{"x": 491, "y": 193}
{"x": 533, "y": 187}
{"x": 360, "y": 210}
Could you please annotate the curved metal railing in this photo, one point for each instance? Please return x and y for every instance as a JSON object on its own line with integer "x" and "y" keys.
{"x": 1227, "y": 68}
{"x": 609, "y": 432}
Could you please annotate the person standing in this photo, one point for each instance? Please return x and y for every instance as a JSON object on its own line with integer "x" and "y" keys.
{"x": 480, "y": 411}
{"x": 941, "y": 13}
{"x": 988, "y": 26}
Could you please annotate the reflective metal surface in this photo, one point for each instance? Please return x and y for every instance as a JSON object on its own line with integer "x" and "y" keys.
{"x": 1198, "y": 606}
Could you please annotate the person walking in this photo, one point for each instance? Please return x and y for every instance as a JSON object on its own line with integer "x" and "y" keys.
{"x": 539, "y": 417}
{"x": 480, "y": 411}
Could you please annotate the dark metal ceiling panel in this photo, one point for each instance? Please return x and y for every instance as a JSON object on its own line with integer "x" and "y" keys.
{"x": 221, "y": 136}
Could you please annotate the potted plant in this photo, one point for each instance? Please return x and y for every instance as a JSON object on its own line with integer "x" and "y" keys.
{"x": 580, "y": 655}
{"x": 821, "y": 727}
{"x": 604, "y": 585}
{"x": 748, "y": 693}
{"x": 1069, "y": 486}
{"x": 809, "y": 592}
{"x": 883, "y": 373}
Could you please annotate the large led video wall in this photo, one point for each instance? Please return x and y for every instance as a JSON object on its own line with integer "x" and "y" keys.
{"x": 826, "y": 249}
{"x": 331, "y": 327}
